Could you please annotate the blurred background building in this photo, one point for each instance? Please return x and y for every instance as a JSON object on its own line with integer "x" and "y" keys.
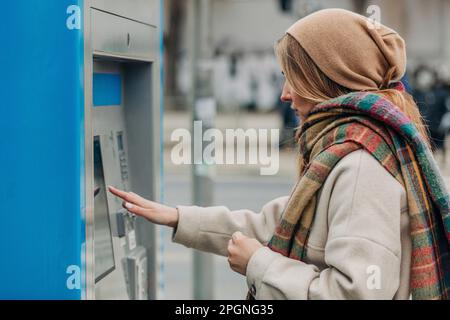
{"x": 246, "y": 84}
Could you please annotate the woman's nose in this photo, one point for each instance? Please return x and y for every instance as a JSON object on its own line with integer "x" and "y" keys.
{"x": 285, "y": 96}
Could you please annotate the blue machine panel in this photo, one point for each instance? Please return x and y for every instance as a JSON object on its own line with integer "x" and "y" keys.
{"x": 107, "y": 89}
{"x": 42, "y": 149}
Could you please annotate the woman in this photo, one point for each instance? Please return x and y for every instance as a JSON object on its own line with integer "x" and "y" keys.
{"x": 369, "y": 216}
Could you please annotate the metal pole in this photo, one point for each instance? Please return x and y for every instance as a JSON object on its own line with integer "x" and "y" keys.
{"x": 203, "y": 109}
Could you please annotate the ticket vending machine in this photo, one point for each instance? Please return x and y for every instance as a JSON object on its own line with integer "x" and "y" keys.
{"x": 124, "y": 115}
{"x": 86, "y": 104}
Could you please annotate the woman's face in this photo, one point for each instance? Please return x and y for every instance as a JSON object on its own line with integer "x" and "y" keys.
{"x": 301, "y": 106}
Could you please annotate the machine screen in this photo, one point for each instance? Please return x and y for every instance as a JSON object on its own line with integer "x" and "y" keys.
{"x": 103, "y": 247}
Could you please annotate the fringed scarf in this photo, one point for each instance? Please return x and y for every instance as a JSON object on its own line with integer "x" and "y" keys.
{"x": 363, "y": 120}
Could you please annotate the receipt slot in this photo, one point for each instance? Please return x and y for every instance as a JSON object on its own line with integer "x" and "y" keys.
{"x": 83, "y": 112}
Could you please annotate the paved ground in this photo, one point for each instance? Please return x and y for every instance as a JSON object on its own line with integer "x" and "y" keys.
{"x": 248, "y": 192}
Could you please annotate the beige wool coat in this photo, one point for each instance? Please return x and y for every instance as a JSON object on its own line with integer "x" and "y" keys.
{"x": 359, "y": 246}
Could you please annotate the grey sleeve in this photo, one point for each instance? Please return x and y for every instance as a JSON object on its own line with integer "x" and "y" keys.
{"x": 209, "y": 229}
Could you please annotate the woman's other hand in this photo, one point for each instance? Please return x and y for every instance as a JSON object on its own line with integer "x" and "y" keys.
{"x": 240, "y": 250}
{"x": 152, "y": 211}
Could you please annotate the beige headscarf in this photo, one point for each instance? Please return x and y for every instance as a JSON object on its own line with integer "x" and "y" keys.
{"x": 352, "y": 50}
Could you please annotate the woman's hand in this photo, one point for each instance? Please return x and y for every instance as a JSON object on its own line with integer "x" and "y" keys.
{"x": 240, "y": 250}
{"x": 152, "y": 211}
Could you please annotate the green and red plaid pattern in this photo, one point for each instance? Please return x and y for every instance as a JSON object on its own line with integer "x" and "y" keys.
{"x": 366, "y": 120}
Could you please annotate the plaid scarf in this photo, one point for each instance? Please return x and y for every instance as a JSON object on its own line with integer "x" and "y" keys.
{"x": 362, "y": 120}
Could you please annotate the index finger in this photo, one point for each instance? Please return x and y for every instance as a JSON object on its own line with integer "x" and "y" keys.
{"x": 119, "y": 193}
